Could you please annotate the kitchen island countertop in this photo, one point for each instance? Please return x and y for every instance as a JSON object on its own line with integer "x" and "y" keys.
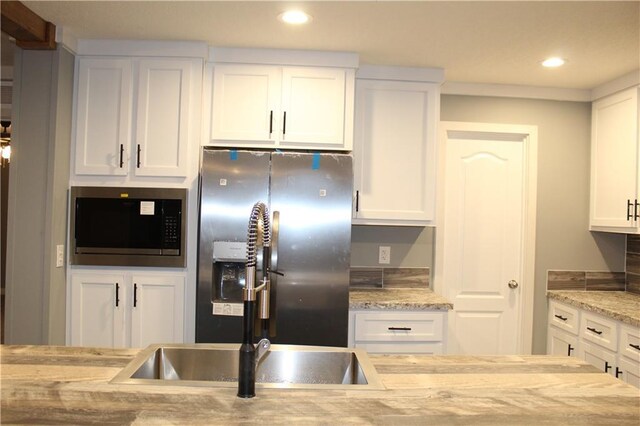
{"x": 398, "y": 299}
{"x": 619, "y": 305}
{"x": 52, "y": 385}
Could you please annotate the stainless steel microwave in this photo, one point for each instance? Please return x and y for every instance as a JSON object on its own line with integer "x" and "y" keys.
{"x": 128, "y": 226}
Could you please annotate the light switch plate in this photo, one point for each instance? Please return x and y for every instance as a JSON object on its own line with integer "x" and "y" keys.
{"x": 59, "y": 255}
{"x": 384, "y": 255}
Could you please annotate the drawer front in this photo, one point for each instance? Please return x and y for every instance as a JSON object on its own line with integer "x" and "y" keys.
{"x": 564, "y": 317}
{"x": 423, "y": 348}
{"x": 599, "y": 330}
{"x": 629, "y": 342}
{"x": 398, "y": 327}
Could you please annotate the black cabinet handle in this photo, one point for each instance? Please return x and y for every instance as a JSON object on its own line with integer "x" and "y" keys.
{"x": 569, "y": 349}
{"x": 635, "y": 210}
{"x": 594, "y": 330}
{"x": 561, "y": 317}
{"x": 399, "y": 328}
{"x": 607, "y": 367}
{"x": 637, "y": 347}
{"x": 270, "y": 123}
{"x": 629, "y": 205}
{"x": 121, "y": 155}
{"x": 284, "y": 124}
{"x": 138, "y": 157}
{"x": 357, "y": 200}
{"x": 618, "y": 372}
{"x": 135, "y": 295}
{"x": 117, "y": 294}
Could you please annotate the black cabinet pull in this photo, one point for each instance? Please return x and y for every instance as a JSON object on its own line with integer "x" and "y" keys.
{"x": 135, "y": 295}
{"x": 618, "y": 372}
{"x": 561, "y": 317}
{"x": 138, "y": 157}
{"x": 121, "y": 155}
{"x": 594, "y": 330}
{"x": 399, "y": 328}
{"x": 357, "y": 200}
{"x": 569, "y": 349}
{"x": 629, "y": 205}
{"x": 270, "y": 123}
{"x": 635, "y": 210}
{"x": 117, "y": 294}
{"x": 607, "y": 367}
{"x": 284, "y": 124}
{"x": 637, "y": 347}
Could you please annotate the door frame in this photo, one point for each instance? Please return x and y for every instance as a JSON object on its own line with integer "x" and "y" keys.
{"x": 529, "y": 136}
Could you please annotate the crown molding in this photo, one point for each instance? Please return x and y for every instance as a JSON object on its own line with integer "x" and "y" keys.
{"x": 515, "y": 91}
{"x": 624, "y": 82}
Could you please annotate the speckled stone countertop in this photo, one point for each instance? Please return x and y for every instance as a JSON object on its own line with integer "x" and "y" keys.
{"x": 66, "y": 385}
{"x": 619, "y": 305}
{"x": 398, "y": 299}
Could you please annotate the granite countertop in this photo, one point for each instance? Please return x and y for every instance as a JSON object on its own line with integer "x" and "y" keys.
{"x": 52, "y": 385}
{"x": 398, "y": 299}
{"x": 619, "y": 305}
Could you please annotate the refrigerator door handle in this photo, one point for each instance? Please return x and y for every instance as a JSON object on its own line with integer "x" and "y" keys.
{"x": 275, "y": 232}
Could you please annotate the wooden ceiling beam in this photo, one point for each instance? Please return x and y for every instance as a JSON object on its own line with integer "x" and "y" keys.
{"x": 29, "y": 29}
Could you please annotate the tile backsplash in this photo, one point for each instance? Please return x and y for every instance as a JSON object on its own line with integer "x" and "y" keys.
{"x": 586, "y": 280}
{"x": 389, "y": 277}
{"x": 632, "y": 264}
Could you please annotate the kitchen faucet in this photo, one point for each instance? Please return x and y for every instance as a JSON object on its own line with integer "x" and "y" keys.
{"x": 249, "y": 355}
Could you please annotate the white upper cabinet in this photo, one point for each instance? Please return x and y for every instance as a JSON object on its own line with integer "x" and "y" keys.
{"x": 615, "y": 203}
{"x": 306, "y": 101}
{"x": 133, "y": 116}
{"x": 103, "y": 115}
{"x": 395, "y": 152}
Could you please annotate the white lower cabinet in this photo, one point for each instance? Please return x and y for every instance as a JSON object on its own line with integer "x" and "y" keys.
{"x": 609, "y": 345}
{"x": 126, "y": 309}
{"x": 398, "y": 332}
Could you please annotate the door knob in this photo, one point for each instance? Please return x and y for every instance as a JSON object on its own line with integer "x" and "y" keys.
{"x": 513, "y": 284}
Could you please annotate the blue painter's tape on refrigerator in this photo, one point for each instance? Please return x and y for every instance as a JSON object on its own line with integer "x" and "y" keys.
{"x": 315, "y": 165}
{"x": 233, "y": 155}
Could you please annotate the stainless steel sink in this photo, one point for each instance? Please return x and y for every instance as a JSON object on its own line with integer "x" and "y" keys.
{"x": 284, "y": 366}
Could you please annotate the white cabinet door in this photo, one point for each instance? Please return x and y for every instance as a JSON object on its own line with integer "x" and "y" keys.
{"x": 157, "y": 309}
{"x": 313, "y": 106}
{"x": 628, "y": 371}
{"x": 103, "y": 116}
{"x": 246, "y": 103}
{"x": 614, "y": 163}
{"x": 394, "y": 152}
{"x": 162, "y": 119}
{"x": 561, "y": 343}
{"x": 98, "y": 310}
{"x": 283, "y": 107}
{"x": 597, "y": 356}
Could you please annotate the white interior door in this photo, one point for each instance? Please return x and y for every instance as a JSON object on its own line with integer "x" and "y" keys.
{"x": 483, "y": 236}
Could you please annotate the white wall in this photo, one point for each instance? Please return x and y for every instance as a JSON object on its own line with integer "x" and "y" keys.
{"x": 411, "y": 246}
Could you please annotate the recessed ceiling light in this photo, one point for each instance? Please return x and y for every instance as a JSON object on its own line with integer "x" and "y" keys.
{"x": 553, "y": 62}
{"x": 295, "y": 17}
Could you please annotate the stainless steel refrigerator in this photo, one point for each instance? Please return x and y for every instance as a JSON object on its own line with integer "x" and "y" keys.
{"x": 313, "y": 194}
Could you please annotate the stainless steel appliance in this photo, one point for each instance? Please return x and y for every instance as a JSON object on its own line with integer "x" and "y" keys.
{"x": 312, "y": 194}
{"x": 128, "y": 226}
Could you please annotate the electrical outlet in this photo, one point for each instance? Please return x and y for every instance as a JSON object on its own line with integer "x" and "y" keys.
{"x": 60, "y": 256}
{"x": 384, "y": 255}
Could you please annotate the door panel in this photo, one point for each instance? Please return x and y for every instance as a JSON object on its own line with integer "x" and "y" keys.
{"x": 483, "y": 236}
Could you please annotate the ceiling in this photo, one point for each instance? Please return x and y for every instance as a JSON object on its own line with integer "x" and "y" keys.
{"x": 475, "y": 42}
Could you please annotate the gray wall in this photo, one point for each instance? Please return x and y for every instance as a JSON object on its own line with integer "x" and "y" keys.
{"x": 562, "y": 237}
{"x": 411, "y": 247}
{"x": 39, "y": 176}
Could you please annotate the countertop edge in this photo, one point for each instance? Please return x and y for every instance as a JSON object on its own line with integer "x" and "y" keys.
{"x": 618, "y": 316}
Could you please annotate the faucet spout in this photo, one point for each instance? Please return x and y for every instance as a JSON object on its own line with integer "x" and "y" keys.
{"x": 249, "y": 357}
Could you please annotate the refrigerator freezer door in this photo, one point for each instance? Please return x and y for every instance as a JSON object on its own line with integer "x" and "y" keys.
{"x": 312, "y": 192}
{"x": 231, "y": 182}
